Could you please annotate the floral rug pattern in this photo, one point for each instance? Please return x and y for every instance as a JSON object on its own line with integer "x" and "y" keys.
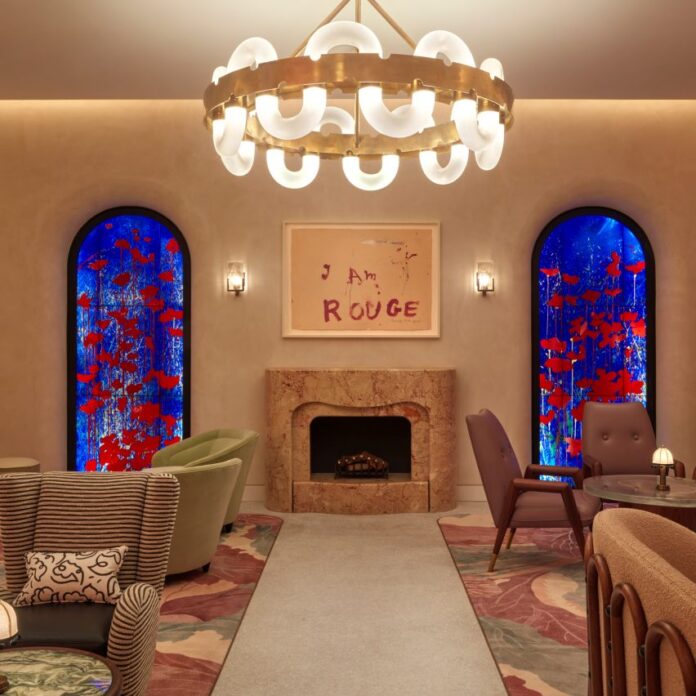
{"x": 532, "y": 609}
{"x": 201, "y": 612}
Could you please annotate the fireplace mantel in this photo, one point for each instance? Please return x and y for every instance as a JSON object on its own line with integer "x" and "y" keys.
{"x": 294, "y": 396}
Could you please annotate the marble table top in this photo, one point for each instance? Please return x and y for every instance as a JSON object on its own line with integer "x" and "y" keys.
{"x": 57, "y": 672}
{"x": 640, "y": 489}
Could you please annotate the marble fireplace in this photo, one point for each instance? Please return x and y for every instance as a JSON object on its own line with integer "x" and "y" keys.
{"x": 425, "y": 397}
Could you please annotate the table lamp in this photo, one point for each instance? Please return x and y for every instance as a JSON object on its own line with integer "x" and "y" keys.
{"x": 663, "y": 460}
{"x": 8, "y": 634}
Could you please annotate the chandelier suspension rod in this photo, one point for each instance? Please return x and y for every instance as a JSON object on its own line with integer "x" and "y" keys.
{"x": 358, "y": 18}
{"x": 393, "y": 23}
{"x": 324, "y": 21}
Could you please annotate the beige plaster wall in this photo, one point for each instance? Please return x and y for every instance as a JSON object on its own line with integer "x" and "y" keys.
{"x": 62, "y": 162}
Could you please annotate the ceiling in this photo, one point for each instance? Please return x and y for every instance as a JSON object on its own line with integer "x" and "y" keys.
{"x": 166, "y": 49}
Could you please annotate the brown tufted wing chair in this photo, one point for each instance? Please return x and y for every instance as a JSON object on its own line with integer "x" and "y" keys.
{"x": 517, "y": 501}
{"x": 74, "y": 511}
{"x": 618, "y": 439}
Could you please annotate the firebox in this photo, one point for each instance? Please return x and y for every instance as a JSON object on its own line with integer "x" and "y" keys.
{"x": 360, "y": 446}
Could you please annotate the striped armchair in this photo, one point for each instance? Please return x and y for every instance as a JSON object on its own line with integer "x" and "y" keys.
{"x": 69, "y": 511}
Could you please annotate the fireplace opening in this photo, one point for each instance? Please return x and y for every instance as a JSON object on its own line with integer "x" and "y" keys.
{"x": 360, "y": 446}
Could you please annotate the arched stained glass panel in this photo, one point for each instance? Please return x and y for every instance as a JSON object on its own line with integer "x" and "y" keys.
{"x": 593, "y": 315}
{"x": 128, "y": 337}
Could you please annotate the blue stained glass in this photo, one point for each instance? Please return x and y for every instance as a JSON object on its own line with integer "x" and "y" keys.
{"x": 129, "y": 343}
{"x": 592, "y": 319}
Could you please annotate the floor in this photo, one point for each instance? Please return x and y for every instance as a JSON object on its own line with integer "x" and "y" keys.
{"x": 360, "y": 606}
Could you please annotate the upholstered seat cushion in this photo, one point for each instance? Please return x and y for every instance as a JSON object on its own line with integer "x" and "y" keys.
{"x": 81, "y": 626}
{"x": 535, "y": 509}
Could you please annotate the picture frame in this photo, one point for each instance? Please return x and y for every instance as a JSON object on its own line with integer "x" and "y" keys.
{"x": 361, "y": 280}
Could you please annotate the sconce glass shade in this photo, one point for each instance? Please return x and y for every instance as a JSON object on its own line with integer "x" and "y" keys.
{"x": 662, "y": 457}
{"x": 8, "y": 623}
{"x": 236, "y": 277}
{"x": 485, "y": 277}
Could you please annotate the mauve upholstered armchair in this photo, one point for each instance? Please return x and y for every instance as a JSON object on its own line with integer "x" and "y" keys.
{"x": 214, "y": 446}
{"x": 618, "y": 439}
{"x": 641, "y": 613}
{"x": 517, "y": 501}
{"x": 75, "y": 511}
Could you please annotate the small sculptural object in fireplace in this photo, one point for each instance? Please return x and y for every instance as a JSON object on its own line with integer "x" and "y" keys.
{"x": 363, "y": 465}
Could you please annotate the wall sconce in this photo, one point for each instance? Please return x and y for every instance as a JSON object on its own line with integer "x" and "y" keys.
{"x": 236, "y": 277}
{"x": 485, "y": 277}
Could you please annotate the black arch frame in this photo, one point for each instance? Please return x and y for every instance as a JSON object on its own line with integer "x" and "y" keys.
{"x": 71, "y": 331}
{"x": 649, "y": 299}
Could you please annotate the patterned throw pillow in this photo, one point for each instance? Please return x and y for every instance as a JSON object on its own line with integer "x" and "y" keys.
{"x": 63, "y": 578}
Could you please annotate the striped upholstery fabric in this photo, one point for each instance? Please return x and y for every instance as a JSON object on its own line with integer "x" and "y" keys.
{"x": 89, "y": 512}
{"x": 133, "y": 635}
{"x": 69, "y": 511}
{"x": 19, "y": 497}
{"x": 159, "y": 514}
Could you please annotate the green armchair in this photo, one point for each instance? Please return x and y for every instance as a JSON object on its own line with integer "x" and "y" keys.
{"x": 204, "y": 495}
{"x": 214, "y": 446}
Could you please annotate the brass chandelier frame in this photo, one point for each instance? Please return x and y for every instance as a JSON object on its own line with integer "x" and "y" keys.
{"x": 346, "y": 73}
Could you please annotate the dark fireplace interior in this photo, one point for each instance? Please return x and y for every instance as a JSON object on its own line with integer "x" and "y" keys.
{"x": 383, "y": 437}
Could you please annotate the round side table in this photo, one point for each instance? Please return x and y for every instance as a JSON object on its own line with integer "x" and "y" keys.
{"x": 59, "y": 672}
{"x": 15, "y": 465}
{"x": 638, "y": 491}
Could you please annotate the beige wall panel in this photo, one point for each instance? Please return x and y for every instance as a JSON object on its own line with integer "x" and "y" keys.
{"x": 62, "y": 162}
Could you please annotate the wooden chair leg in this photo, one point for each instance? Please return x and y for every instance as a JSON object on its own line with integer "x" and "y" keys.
{"x": 511, "y": 537}
{"x": 508, "y": 511}
{"x": 574, "y": 519}
{"x": 496, "y": 548}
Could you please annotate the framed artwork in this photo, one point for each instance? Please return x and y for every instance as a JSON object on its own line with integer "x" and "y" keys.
{"x": 361, "y": 280}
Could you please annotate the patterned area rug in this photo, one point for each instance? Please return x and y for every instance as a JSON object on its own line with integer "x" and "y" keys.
{"x": 532, "y": 609}
{"x": 201, "y": 612}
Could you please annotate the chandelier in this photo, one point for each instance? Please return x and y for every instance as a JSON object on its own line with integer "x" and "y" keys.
{"x": 248, "y": 102}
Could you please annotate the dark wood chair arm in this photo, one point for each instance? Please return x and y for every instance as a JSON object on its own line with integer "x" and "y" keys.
{"x": 591, "y": 466}
{"x": 680, "y": 469}
{"x": 522, "y": 485}
{"x": 536, "y": 470}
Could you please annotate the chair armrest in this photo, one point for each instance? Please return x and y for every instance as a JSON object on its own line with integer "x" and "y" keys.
{"x": 680, "y": 469}
{"x": 522, "y": 485}
{"x": 591, "y": 466}
{"x": 132, "y": 636}
{"x": 536, "y": 470}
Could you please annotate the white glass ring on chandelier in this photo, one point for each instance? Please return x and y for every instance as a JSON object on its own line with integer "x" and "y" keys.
{"x": 292, "y": 179}
{"x": 291, "y": 127}
{"x": 242, "y": 161}
{"x": 241, "y": 120}
{"x": 373, "y": 181}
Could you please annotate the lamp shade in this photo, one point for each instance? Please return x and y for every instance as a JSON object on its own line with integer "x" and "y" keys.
{"x": 662, "y": 457}
{"x": 8, "y": 622}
